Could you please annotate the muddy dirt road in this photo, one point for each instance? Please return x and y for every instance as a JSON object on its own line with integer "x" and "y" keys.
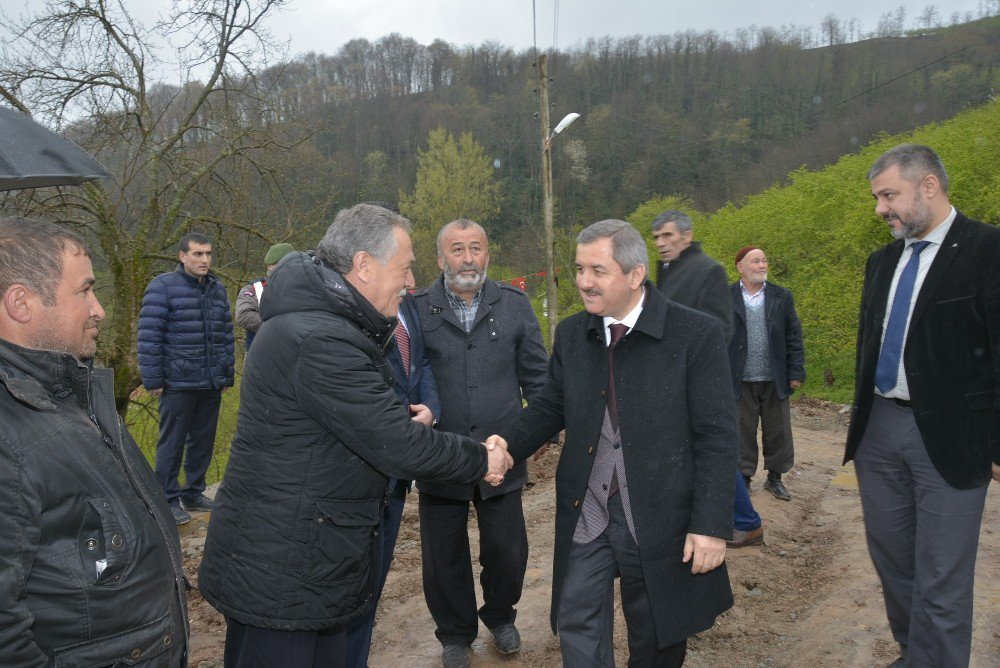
{"x": 808, "y": 596}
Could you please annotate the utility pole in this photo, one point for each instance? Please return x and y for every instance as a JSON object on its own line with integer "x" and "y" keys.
{"x": 552, "y": 298}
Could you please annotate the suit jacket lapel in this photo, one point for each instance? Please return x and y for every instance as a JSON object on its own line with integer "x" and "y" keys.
{"x": 771, "y": 299}
{"x": 439, "y": 303}
{"x": 738, "y": 305}
{"x": 950, "y": 248}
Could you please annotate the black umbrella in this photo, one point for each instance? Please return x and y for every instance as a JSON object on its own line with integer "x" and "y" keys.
{"x": 32, "y": 156}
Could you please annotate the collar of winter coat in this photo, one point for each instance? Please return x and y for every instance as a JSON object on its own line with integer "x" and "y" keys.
{"x": 209, "y": 277}
{"x": 439, "y": 298}
{"x": 34, "y": 376}
{"x": 651, "y": 320}
{"x": 693, "y": 249}
{"x": 302, "y": 282}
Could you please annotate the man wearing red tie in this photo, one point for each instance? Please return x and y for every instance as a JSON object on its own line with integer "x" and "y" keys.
{"x": 925, "y": 431}
{"x": 644, "y": 488}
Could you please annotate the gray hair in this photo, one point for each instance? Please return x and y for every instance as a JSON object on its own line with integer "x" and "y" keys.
{"x": 462, "y": 224}
{"x": 678, "y": 218}
{"x": 31, "y": 253}
{"x": 628, "y": 248}
{"x": 915, "y": 162}
{"x": 363, "y": 227}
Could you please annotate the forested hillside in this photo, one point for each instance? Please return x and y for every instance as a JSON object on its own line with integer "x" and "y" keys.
{"x": 689, "y": 113}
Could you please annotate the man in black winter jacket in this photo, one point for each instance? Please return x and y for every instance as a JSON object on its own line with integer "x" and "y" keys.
{"x": 292, "y": 550}
{"x": 90, "y": 561}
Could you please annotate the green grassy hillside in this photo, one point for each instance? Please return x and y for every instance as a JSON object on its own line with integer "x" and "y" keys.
{"x": 818, "y": 230}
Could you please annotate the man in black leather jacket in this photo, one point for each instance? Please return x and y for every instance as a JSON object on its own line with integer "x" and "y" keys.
{"x": 90, "y": 562}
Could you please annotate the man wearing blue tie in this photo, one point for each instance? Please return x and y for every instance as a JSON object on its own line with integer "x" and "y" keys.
{"x": 925, "y": 431}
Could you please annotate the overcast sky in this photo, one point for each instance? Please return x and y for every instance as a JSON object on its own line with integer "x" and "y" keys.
{"x": 324, "y": 25}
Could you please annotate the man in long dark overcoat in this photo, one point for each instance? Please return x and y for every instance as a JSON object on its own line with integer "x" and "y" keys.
{"x": 644, "y": 487}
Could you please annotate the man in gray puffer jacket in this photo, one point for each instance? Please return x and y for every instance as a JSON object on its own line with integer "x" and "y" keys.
{"x": 292, "y": 549}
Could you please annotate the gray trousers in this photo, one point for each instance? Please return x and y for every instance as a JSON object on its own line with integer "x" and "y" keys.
{"x": 586, "y": 606}
{"x": 759, "y": 404}
{"x": 922, "y": 536}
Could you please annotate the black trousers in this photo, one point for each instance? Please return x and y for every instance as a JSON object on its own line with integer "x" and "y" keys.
{"x": 254, "y": 647}
{"x": 587, "y": 604}
{"x": 188, "y": 419}
{"x": 759, "y": 404}
{"x": 447, "y": 563}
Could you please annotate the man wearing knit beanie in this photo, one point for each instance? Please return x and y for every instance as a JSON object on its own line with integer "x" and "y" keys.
{"x": 768, "y": 364}
{"x": 248, "y": 301}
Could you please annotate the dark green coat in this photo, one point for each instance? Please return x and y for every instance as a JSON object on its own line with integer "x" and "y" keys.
{"x": 678, "y": 427}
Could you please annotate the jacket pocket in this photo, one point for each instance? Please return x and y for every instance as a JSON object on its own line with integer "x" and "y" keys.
{"x": 133, "y": 647}
{"x": 956, "y": 298}
{"x": 185, "y": 364}
{"x": 342, "y": 540}
{"x": 979, "y": 401}
{"x": 104, "y": 545}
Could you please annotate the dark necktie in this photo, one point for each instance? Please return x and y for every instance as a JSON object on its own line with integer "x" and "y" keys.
{"x": 618, "y": 331}
{"x": 403, "y": 341}
{"x": 892, "y": 345}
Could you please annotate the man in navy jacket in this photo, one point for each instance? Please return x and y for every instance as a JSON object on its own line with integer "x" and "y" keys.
{"x": 186, "y": 359}
{"x": 416, "y": 389}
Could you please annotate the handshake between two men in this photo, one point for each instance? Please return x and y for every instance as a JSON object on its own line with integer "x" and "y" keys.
{"x": 499, "y": 460}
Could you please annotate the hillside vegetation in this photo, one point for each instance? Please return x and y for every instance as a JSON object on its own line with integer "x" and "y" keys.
{"x": 819, "y": 230}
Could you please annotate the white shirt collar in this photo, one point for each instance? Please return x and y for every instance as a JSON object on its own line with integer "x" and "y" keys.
{"x": 629, "y": 320}
{"x": 746, "y": 292}
{"x": 937, "y": 235}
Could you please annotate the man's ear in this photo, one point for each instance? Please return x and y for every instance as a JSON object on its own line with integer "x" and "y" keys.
{"x": 361, "y": 266}
{"x": 18, "y": 303}
{"x": 638, "y": 275}
{"x": 440, "y": 263}
{"x": 931, "y": 185}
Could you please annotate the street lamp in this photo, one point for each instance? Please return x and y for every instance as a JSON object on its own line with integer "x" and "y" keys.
{"x": 551, "y": 297}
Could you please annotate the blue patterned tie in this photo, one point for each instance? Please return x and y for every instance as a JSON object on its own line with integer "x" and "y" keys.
{"x": 892, "y": 346}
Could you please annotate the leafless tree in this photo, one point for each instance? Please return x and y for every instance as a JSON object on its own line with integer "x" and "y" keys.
{"x": 203, "y": 154}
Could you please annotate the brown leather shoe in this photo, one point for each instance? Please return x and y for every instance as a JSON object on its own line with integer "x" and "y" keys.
{"x": 746, "y": 538}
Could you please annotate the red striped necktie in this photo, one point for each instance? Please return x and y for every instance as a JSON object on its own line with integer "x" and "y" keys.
{"x": 403, "y": 341}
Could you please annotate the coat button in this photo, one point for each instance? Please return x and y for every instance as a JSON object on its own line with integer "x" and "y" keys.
{"x": 91, "y": 544}
{"x": 116, "y": 540}
{"x": 590, "y": 450}
{"x": 470, "y": 346}
{"x": 604, "y": 394}
{"x": 167, "y": 640}
{"x": 473, "y": 428}
{"x": 136, "y": 653}
{"x": 576, "y": 503}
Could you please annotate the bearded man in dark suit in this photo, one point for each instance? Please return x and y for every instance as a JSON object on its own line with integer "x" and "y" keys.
{"x": 925, "y": 432}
